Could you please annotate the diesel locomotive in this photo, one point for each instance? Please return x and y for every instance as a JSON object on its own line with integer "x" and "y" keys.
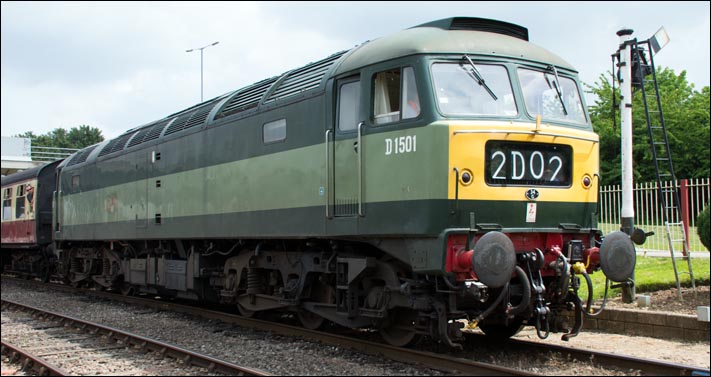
{"x": 443, "y": 174}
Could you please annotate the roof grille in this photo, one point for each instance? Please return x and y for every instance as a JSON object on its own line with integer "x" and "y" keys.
{"x": 178, "y": 124}
{"x": 82, "y": 155}
{"x": 138, "y": 138}
{"x": 121, "y": 142}
{"x": 246, "y": 98}
{"x": 107, "y": 148}
{"x": 198, "y": 117}
{"x": 305, "y": 78}
{"x": 116, "y": 144}
{"x": 155, "y": 131}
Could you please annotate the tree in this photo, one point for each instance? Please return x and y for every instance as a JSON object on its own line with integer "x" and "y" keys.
{"x": 686, "y": 116}
{"x": 77, "y": 137}
{"x": 703, "y": 228}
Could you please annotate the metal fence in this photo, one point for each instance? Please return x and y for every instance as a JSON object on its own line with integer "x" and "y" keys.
{"x": 694, "y": 196}
{"x": 49, "y": 154}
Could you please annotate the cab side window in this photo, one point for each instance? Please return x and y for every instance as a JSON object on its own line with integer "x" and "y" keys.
{"x": 348, "y": 105}
{"x": 395, "y": 96}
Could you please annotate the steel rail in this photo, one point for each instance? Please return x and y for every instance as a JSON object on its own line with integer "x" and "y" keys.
{"x": 147, "y": 344}
{"x": 646, "y": 366}
{"x": 405, "y": 355}
{"x": 37, "y": 364}
{"x": 436, "y": 361}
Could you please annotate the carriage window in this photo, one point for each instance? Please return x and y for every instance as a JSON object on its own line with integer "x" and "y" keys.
{"x": 540, "y": 94}
{"x": 20, "y": 202}
{"x": 395, "y": 96}
{"x": 75, "y": 181}
{"x": 7, "y": 204}
{"x": 275, "y": 131}
{"x": 460, "y": 94}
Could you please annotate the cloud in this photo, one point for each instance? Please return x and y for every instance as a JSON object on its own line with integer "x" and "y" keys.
{"x": 120, "y": 65}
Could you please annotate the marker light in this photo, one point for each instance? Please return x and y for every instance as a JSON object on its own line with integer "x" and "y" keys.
{"x": 466, "y": 177}
{"x": 587, "y": 181}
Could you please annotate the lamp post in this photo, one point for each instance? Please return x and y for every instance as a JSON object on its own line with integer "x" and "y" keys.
{"x": 201, "y": 48}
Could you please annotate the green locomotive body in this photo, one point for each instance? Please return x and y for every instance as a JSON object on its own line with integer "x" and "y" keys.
{"x": 448, "y": 171}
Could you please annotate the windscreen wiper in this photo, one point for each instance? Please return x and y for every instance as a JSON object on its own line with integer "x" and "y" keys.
{"x": 557, "y": 89}
{"x": 480, "y": 79}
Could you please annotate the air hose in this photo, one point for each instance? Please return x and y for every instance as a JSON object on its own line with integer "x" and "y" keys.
{"x": 526, "y": 298}
{"x": 491, "y": 308}
{"x": 590, "y": 296}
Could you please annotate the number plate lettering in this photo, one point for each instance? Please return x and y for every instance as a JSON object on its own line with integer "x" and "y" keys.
{"x": 399, "y": 145}
{"x": 528, "y": 164}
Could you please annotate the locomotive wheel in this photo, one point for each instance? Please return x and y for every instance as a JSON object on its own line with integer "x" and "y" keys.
{"x": 499, "y": 331}
{"x": 400, "y": 329}
{"x": 126, "y": 289}
{"x": 97, "y": 286}
{"x": 321, "y": 293}
{"x": 245, "y": 312}
{"x": 310, "y": 320}
{"x": 45, "y": 272}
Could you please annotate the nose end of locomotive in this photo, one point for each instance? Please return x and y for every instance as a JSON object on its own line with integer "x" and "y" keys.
{"x": 618, "y": 256}
{"x": 494, "y": 259}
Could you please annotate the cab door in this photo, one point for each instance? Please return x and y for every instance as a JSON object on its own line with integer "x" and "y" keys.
{"x": 347, "y": 189}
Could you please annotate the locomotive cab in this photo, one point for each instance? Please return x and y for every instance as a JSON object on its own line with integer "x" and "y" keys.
{"x": 484, "y": 143}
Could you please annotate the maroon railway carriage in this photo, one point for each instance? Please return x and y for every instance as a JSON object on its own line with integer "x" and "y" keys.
{"x": 27, "y": 220}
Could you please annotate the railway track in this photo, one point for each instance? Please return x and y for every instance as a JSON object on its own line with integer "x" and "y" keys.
{"x": 30, "y": 361}
{"x": 449, "y": 362}
{"x": 56, "y": 344}
{"x": 647, "y": 367}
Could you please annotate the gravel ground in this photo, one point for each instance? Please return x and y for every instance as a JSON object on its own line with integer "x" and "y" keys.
{"x": 667, "y": 300}
{"x": 254, "y": 349}
{"x": 82, "y": 353}
{"x": 691, "y": 353}
{"x": 289, "y": 356}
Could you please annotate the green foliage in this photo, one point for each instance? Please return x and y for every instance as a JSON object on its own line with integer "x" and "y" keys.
{"x": 703, "y": 227}
{"x": 686, "y": 116}
{"x": 78, "y": 137}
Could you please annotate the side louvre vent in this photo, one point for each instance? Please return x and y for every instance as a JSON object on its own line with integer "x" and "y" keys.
{"x": 305, "y": 78}
{"x": 246, "y": 98}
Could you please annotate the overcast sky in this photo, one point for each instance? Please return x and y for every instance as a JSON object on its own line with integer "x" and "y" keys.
{"x": 116, "y": 66}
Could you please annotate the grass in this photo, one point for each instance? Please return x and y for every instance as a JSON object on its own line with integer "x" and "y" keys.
{"x": 653, "y": 274}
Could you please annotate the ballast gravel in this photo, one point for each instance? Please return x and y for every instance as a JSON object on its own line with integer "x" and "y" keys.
{"x": 271, "y": 353}
{"x": 281, "y": 355}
